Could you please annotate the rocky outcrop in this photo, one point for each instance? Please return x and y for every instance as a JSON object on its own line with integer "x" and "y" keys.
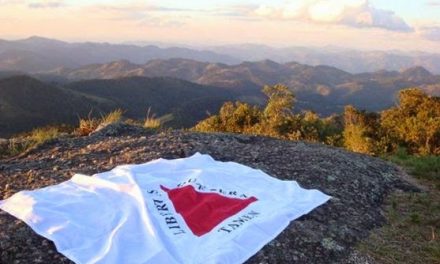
{"x": 358, "y": 184}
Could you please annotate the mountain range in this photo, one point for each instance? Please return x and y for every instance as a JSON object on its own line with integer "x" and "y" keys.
{"x": 37, "y": 54}
{"x": 323, "y": 89}
{"x": 45, "y": 81}
{"x": 41, "y": 54}
{"x": 350, "y": 60}
{"x": 190, "y": 90}
{"x": 26, "y": 103}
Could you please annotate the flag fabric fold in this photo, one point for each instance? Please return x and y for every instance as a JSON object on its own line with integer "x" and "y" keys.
{"x": 190, "y": 210}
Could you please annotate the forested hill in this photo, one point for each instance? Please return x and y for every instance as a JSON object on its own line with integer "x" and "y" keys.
{"x": 187, "y": 102}
{"x": 26, "y": 103}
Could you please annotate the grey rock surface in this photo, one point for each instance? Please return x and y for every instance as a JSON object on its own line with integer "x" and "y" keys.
{"x": 328, "y": 234}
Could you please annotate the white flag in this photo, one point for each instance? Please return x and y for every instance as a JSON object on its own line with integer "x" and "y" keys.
{"x": 191, "y": 210}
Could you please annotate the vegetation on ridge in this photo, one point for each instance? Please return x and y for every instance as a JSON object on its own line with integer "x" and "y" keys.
{"x": 413, "y": 124}
{"x": 86, "y": 126}
{"x": 32, "y": 139}
{"x": 276, "y": 119}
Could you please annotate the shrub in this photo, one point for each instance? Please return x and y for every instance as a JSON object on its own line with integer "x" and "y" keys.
{"x": 90, "y": 124}
{"x": 363, "y": 132}
{"x": 415, "y": 122}
{"x": 87, "y": 126}
{"x": 276, "y": 119}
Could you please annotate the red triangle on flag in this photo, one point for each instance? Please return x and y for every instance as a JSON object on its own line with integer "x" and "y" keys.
{"x": 204, "y": 211}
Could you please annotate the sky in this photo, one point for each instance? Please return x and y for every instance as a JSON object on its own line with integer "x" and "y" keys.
{"x": 361, "y": 24}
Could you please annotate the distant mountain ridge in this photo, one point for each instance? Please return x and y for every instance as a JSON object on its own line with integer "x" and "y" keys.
{"x": 259, "y": 72}
{"x": 37, "y": 54}
{"x": 350, "y": 60}
{"x": 324, "y": 89}
{"x": 41, "y": 54}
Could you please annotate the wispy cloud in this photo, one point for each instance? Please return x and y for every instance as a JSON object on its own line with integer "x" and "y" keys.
{"x": 160, "y": 22}
{"x": 162, "y": 16}
{"x": 352, "y": 13}
{"x": 46, "y": 4}
{"x": 10, "y": 2}
{"x": 171, "y": 9}
{"x": 141, "y": 7}
{"x": 140, "y": 14}
{"x": 234, "y": 11}
{"x": 35, "y": 3}
{"x": 127, "y": 10}
{"x": 430, "y": 32}
{"x": 433, "y": 3}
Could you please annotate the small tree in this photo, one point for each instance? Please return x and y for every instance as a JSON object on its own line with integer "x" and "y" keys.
{"x": 278, "y": 118}
{"x": 415, "y": 122}
{"x": 233, "y": 117}
{"x": 362, "y": 132}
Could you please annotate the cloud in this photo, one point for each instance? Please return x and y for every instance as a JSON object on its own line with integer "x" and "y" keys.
{"x": 352, "y": 13}
{"x": 140, "y": 14}
{"x": 171, "y": 9}
{"x": 243, "y": 11}
{"x": 430, "y": 32}
{"x": 137, "y": 7}
{"x": 160, "y": 22}
{"x": 46, "y": 4}
{"x": 145, "y": 14}
{"x": 10, "y": 2}
{"x": 433, "y": 3}
{"x": 35, "y": 3}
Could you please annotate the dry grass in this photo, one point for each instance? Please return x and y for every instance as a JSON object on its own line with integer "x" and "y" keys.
{"x": 31, "y": 139}
{"x": 41, "y": 135}
{"x": 151, "y": 121}
{"x": 14, "y": 148}
{"x": 90, "y": 124}
{"x": 112, "y": 117}
{"x": 412, "y": 234}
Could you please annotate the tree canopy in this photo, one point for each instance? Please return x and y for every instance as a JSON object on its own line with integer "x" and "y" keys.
{"x": 414, "y": 123}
